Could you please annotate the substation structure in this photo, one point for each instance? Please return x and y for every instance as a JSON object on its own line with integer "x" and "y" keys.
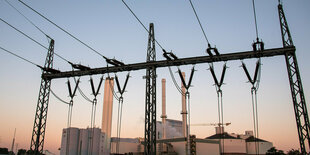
{"x": 288, "y": 51}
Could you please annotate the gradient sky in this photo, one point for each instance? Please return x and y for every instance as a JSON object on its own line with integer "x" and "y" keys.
{"x": 110, "y": 28}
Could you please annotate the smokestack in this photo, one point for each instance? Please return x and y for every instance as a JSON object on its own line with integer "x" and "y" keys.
{"x": 107, "y": 113}
{"x": 164, "y": 116}
{"x": 184, "y": 111}
{"x": 219, "y": 129}
{"x": 13, "y": 142}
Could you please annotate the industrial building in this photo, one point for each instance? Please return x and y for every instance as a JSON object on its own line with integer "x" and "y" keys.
{"x": 171, "y": 136}
{"x": 75, "y": 141}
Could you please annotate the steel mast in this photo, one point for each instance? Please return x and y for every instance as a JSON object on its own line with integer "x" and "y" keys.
{"x": 38, "y": 132}
{"x": 150, "y": 97}
{"x": 299, "y": 102}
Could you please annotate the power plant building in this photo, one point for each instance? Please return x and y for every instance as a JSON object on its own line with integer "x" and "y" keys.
{"x": 77, "y": 141}
{"x": 171, "y": 136}
{"x": 172, "y": 127}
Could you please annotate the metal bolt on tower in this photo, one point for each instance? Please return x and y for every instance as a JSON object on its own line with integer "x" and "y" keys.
{"x": 38, "y": 133}
{"x": 150, "y": 98}
{"x": 298, "y": 96}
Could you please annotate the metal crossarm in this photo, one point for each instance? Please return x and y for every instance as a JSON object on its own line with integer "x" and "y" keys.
{"x": 178, "y": 62}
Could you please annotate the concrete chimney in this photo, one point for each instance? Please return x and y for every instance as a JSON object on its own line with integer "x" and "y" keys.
{"x": 184, "y": 110}
{"x": 219, "y": 130}
{"x": 164, "y": 116}
{"x": 107, "y": 113}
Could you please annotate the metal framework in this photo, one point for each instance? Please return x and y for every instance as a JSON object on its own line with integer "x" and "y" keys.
{"x": 178, "y": 62}
{"x": 298, "y": 97}
{"x": 151, "y": 64}
{"x": 38, "y": 132}
{"x": 150, "y": 97}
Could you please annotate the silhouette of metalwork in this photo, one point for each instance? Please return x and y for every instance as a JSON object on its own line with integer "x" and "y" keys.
{"x": 288, "y": 50}
{"x": 150, "y": 97}
{"x": 38, "y": 132}
{"x": 299, "y": 102}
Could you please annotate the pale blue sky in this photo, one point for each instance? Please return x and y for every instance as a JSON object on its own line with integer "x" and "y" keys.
{"x": 111, "y": 29}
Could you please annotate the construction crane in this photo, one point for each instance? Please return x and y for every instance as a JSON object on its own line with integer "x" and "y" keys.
{"x": 211, "y": 124}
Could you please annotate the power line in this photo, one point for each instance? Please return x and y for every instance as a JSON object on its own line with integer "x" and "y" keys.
{"x": 27, "y": 18}
{"x": 141, "y": 23}
{"x": 20, "y": 57}
{"x": 59, "y": 98}
{"x": 204, "y": 34}
{"x": 31, "y": 38}
{"x": 255, "y": 19}
{"x": 63, "y": 30}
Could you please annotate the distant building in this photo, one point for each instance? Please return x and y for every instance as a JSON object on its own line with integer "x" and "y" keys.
{"x": 230, "y": 144}
{"x": 173, "y": 129}
{"x": 127, "y": 145}
{"x": 75, "y": 141}
{"x": 241, "y": 144}
{"x": 263, "y": 146}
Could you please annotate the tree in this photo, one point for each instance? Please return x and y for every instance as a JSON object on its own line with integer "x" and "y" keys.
{"x": 11, "y": 153}
{"x": 293, "y": 152}
{"x": 4, "y": 151}
{"x": 274, "y": 151}
{"x": 21, "y": 152}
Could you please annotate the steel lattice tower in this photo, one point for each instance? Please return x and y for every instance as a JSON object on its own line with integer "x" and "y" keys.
{"x": 150, "y": 97}
{"x": 38, "y": 133}
{"x": 298, "y": 97}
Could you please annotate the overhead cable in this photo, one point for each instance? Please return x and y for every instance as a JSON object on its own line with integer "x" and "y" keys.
{"x": 253, "y": 3}
{"x": 63, "y": 30}
{"x": 81, "y": 92}
{"x": 141, "y": 23}
{"x": 27, "y": 19}
{"x": 204, "y": 34}
{"x": 31, "y": 39}
{"x": 20, "y": 57}
{"x": 174, "y": 82}
{"x": 59, "y": 97}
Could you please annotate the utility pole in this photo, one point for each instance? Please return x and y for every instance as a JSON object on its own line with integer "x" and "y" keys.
{"x": 38, "y": 132}
{"x": 298, "y": 96}
{"x": 150, "y": 97}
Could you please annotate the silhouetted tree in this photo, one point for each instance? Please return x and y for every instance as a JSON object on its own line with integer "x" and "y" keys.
{"x": 21, "y": 152}
{"x": 31, "y": 152}
{"x": 4, "y": 150}
{"x": 274, "y": 151}
{"x": 293, "y": 152}
{"x": 11, "y": 153}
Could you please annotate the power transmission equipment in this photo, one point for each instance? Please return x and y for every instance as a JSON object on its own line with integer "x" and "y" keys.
{"x": 38, "y": 132}
{"x": 150, "y": 97}
{"x": 299, "y": 102}
{"x": 150, "y": 112}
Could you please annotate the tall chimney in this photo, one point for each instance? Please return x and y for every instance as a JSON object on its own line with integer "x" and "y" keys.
{"x": 107, "y": 113}
{"x": 184, "y": 111}
{"x": 164, "y": 116}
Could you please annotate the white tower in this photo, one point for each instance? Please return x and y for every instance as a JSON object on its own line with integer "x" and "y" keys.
{"x": 107, "y": 114}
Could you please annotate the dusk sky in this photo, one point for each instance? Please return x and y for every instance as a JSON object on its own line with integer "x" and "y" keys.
{"x": 110, "y": 28}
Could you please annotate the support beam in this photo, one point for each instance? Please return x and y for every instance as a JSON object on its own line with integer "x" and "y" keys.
{"x": 178, "y": 62}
